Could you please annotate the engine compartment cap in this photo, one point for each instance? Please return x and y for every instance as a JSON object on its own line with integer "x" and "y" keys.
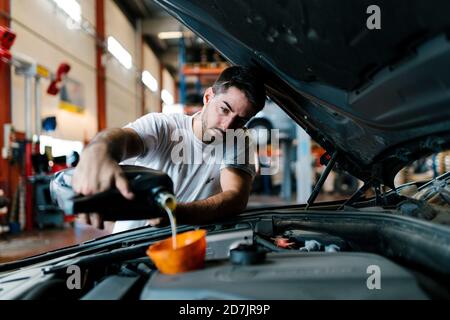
{"x": 246, "y": 254}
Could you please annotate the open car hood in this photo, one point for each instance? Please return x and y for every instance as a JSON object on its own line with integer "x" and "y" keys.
{"x": 379, "y": 98}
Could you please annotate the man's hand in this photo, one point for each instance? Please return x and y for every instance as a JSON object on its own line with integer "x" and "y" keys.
{"x": 96, "y": 221}
{"x": 159, "y": 222}
{"x": 97, "y": 172}
{"x": 92, "y": 219}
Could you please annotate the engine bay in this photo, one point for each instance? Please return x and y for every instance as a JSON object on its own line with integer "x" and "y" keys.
{"x": 292, "y": 264}
{"x": 297, "y": 265}
{"x": 378, "y": 248}
{"x": 399, "y": 250}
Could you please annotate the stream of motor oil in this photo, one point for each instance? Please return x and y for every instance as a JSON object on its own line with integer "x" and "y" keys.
{"x": 173, "y": 226}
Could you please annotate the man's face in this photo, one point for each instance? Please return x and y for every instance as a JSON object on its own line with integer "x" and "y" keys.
{"x": 228, "y": 110}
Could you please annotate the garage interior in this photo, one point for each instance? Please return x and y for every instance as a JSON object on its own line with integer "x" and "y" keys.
{"x": 71, "y": 68}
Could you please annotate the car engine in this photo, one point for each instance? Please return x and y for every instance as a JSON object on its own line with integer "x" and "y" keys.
{"x": 243, "y": 261}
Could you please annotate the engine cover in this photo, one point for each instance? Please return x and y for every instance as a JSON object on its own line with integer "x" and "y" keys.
{"x": 344, "y": 275}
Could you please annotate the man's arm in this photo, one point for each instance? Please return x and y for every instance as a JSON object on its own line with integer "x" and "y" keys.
{"x": 123, "y": 143}
{"x": 236, "y": 187}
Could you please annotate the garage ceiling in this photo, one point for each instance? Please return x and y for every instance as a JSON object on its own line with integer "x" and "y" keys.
{"x": 154, "y": 20}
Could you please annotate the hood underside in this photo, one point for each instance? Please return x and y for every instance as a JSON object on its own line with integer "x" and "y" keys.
{"x": 379, "y": 98}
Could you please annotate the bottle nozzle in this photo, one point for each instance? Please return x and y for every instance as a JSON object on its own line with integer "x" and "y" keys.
{"x": 166, "y": 200}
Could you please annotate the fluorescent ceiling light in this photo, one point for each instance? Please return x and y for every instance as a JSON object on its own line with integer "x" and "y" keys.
{"x": 71, "y": 7}
{"x": 167, "y": 97}
{"x": 119, "y": 52}
{"x": 170, "y": 35}
{"x": 149, "y": 81}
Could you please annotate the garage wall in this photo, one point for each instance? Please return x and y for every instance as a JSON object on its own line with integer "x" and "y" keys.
{"x": 121, "y": 83}
{"x": 151, "y": 64}
{"x": 168, "y": 83}
{"x": 42, "y": 34}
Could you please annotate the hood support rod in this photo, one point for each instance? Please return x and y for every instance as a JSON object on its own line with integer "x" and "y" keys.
{"x": 357, "y": 195}
{"x": 321, "y": 181}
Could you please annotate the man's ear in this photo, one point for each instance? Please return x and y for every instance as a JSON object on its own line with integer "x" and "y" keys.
{"x": 209, "y": 94}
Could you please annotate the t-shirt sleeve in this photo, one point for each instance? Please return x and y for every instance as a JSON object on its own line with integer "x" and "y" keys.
{"x": 152, "y": 129}
{"x": 240, "y": 154}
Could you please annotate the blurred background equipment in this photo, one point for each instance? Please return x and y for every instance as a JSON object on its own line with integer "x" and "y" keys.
{"x": 3, "y": 200}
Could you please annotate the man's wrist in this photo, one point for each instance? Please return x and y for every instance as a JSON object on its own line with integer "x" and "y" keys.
{"x": 182, "y": 213}
{"x": 98, "y": 146}
{"x": 97, "y": 143}
{"x": 102, "y": 145}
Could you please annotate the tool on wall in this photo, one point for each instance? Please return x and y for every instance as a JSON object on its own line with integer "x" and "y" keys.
{"x": 7, "y": 38}
{"x": 61, "y": 73}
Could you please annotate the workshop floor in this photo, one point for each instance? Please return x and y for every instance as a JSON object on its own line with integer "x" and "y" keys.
{"x": 27, "y": 244}
{"x": 32, "y": 243}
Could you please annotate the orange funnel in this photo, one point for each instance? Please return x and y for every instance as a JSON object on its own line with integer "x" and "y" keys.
{"x": 189, "y": 254}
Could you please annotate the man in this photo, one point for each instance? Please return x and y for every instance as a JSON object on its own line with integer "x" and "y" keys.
{"x": 205, "y": 191}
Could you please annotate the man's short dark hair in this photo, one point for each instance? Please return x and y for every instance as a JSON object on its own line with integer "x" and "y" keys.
{"x": 245, "y": 79}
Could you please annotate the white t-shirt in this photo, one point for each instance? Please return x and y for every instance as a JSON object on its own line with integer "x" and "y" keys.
{"x": 193, "y": 166}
